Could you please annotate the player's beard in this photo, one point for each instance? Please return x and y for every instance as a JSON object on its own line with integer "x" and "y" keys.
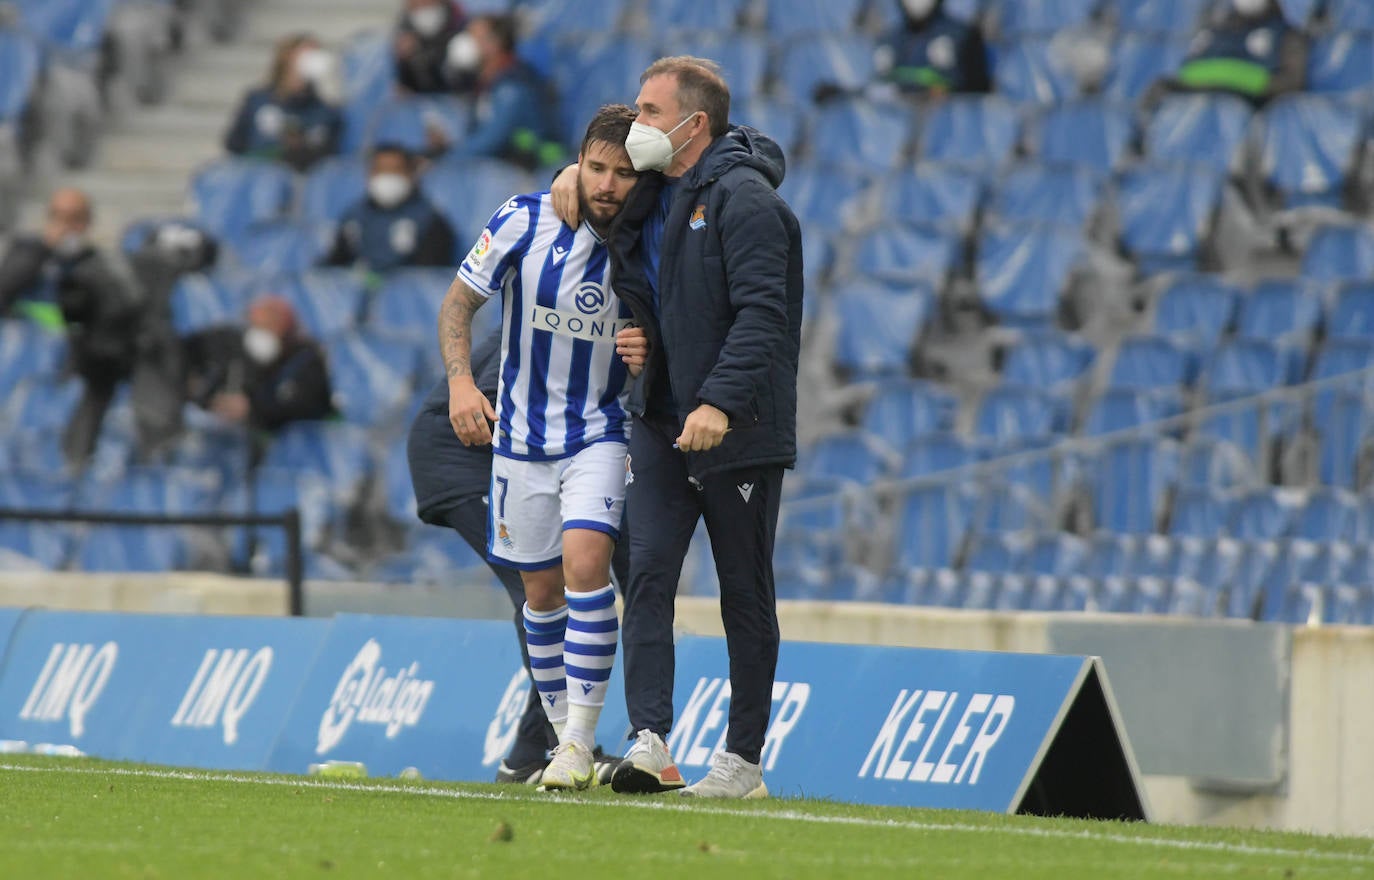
{"x": 601, "y": 224}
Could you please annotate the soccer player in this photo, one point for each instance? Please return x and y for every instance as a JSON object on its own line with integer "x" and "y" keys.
{"x": 558, "y": 473}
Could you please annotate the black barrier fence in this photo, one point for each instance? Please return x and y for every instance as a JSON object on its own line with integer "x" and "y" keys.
{"x": 289, "y": 521}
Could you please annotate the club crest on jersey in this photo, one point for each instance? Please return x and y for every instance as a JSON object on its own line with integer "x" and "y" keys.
{"x": 503, "y": 535}
{"x": 698, "y": 219}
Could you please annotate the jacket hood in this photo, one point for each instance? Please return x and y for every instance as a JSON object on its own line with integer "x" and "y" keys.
{"x": 740, "y": 145}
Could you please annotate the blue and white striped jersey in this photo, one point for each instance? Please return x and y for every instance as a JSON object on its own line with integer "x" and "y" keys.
{"x": 562, "y": 385}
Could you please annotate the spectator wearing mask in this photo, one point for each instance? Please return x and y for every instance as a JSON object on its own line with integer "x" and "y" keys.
{"x": 514, "y": 111}
{"x": 58, "y": 280}
{"x": 287, "y": 119}
{"x": 421, "y": 44}
{"x": 394, "y": 225}
{"x": 1252, "y": 52}
{"x": 262, "y": 376}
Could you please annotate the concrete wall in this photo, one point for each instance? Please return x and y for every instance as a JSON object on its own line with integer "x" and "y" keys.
{"x": 1328, "y": 786}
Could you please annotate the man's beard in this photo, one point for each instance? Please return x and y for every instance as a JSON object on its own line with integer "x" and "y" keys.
{"x": 585, "y": 205}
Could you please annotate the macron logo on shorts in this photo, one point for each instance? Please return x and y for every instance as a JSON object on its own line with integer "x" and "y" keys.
{"x": 746, "y": 490}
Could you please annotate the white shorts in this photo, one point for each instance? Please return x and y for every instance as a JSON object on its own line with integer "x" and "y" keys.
{"x": 532, "y": 502}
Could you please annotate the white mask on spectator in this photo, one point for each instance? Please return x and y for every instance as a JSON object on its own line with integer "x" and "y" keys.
{"x": 918, "y": 9}
{"x": 1250, "y": 7}
{"x": 427, "y": 20}
{"x": 314, "y": 65}
{"x": 263, "y": 346}
{"x": 463, "y": 52}
{"x": 388, "y": 190}
{"x": 70, "y": 245}
{"x": 650, "y": 148}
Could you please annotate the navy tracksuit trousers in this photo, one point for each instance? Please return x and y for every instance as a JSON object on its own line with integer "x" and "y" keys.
{"x": 740, "y": 507}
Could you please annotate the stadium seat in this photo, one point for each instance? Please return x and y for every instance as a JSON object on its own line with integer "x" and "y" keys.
{"x": 858, "y": 135}
{"x": 1341, "y": 440}
{"x": 44, "y": 490}
{"x": 1352, "y": 316}
{"x": 819, "y": 195}
{"x": 1203, "y": 129}
{"x": 1057, "y": 554}
{"x": 995, "y": 553}
{"x": 69, "y": 26}
{"x": 930, "y": 194}
{"x": 902, "y": 410}
{"x": 1350, "y": 357}
{"x": 1283, "y": 310}
{"x": 1010, "y": 413}
{"x": 1328, "y": 514}
{"x": 1339, "y": 253}
{"x": 935, "y": 453}
{"x": 854, "y": 456}
{"x": 1157, "y": 16}
{"x": 371, "y": 376}
{"x": 160, "y": 490}
{"x": 1341, "y": 61}
{"x": 407, "y": 303}
{"x": 904, "y": 254}
{"x": 368, "y": 70}
{"x": 1141, "y": 59}
{"x": 231, "y": 194}
{"x": 469, "y": 191}
{"x": 742, "y": 56}
{"x": 27, "y": 352}
{"x": 282, "y": 246}
{"x": 698, "y": 15}
{"x": 1022, "y": 272}
{"x": 878, "y": 327}
{"x": 569, "y": 21}
{"x": 1009, "y": 508}
{"x": 1120, "y": 409}
{"x": 332, "y": 187}
{"x": 335, "y": 452}
{"x": 787, "y": 18}
{"x": 932, "y": 522}
{"x": 1353, "y": 15}
{"x": 854, "y": 583}
{"x": 1109, "y": 554}
{"x": 200, "y": 300}
{"x": 1034, "y": 70}
{"x": 1247, "y": 366}
{"x": 1032, "y": 194}
{"x": 1021, "y": 18}
{"x": 42, "y": 403}
{"x": 327, "y": 301}
{"x": 1149, "y": 362}
{"x": 410, "y": 122}
{"x": 840, "y": 57}
{"x": 1051, "y": 360}
{"x": 1309, "y": 148}
{"x": 1196, "y": 310}
{"x": 1165, "y": 557}
{"x": 784, "y": 122}
{"x": 978, "y": 132}
{"x": 1092, "y": 133}
{"x": 1212, "y": 462}
{"x": 1265, "y": 514}
{"x": 1166, "y": 215}
{"x": 1128, "y": 482}
{"x": 44, "y": 545}
{"x": 277, "y": 488}
{"x": 1199, "y": 512}
{"x": 21, "y": 65}
{"x": 131, "y": 548}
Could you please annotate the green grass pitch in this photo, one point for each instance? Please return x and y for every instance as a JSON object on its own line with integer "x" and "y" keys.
{"x": 87, "y": 819}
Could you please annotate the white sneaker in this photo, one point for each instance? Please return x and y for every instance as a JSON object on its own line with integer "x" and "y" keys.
{"x": 730, "y": 776}
{"x": 648, "y": 767}
{"x": 573, "y": 768}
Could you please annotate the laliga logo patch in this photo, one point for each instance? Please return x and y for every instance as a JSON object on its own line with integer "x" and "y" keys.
{"x": 591, "y": 298}
{"x": 698, "y": 218}
{"x": 479, "y": 250}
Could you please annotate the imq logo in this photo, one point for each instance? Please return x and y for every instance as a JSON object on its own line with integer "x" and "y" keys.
{"x": 368, "y": 695}
{"x": 70, "y": 683}
{"x": 700, "y": 730}
{"x": 223, "y": 690}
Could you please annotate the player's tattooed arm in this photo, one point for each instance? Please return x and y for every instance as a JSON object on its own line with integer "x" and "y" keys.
{"x": 455, "y": 328}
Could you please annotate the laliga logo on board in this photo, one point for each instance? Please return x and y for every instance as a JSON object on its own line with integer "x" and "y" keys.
{"x": 224, "y": 688}
{"x": 367, "y": 695}
{"x": 505, "y": 725}
{"x": 69, "y": 684}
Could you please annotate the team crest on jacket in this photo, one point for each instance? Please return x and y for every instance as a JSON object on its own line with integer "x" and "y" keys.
{"x": 698, "y": 218}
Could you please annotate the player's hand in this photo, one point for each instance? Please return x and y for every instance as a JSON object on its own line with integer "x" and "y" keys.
{"x": 632, "y": 344}
{"x": 469, "y": 412}
{"x": 704, "y": 429}
{"x": 564, "y": 193}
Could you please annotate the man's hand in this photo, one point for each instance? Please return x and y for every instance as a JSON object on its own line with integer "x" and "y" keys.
{"x": 232, "y": 407}
{"x": 406, "y": 44}
{"x": 704, "y": 429}
{"x": 632, "y": 344}
{"x": 564, "y": 193}
{"x": 469, "y": 412}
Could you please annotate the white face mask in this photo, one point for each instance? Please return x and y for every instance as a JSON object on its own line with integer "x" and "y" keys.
{"x": 427, "y": 20}
{"x": 918, "y": 8}
{"x": 388, "y": 190}
{"x": 463, "y": 53}
{"x": 650, "y": 148}
{"x": 262, "y": 346}
{"x": 314, "y": 65}
{"x": 1250, "y": 7}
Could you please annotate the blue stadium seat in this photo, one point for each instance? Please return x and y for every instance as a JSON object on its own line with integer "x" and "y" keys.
{"x": 1092, "y": 133}
{"x": 469, "y": 191}
{"x": 1019, "y": 18}
{"x": 854, "y": 583}
{"x": 1119, "y": 409}
{"x": 1010, "y": 413}
{"x": 327, "y": 301}
{"x": 569, "y": 21}
{"x": 1150, "y": 362}
{"x": 1064, "y": 196}
{"x": 1243, "y": 597}
{"x": 1166, "y": 214}
{"x": 859, "y": 135}
{"x": 697, "y": 15}
{"x": 1341, "y": 61}
{"x": 69, "y": 26}
{"x": 160, "y": 490}
{"x": 1339, "y": 253}
{"x": 372, "y": 376}
{"x": 904, "y": 254}
{"x": 1128, "y": 482}
{"x": 1350, "y": 357}
{"x": 1345, "y": 424}
{"x": 814, "y": 523}
{"x": 1353, "y": 15}
{"x": 935, "y": 453}
{"x": 605, "y": 66}
{"x": 396, "y": 484}
{"x": 931, "y": 194}
{"x": 1058, "y": 554}
{"x": 1031, "y": 463}
{"x": 787, "y": 18}
{"x": 277, "y": 488}
{"x": 43, "y": 544}
{"x": 783, "y": 121}
{"x": 131, "y": 548}
{"x": 1044, "y": 594}
{"x": 1196, "y": 310}
{"x": 282, "y": 246}
{"x": 840, "y": 57}
{"x": 335, "y": 452}
{"x": 332, "y": 187}
{"x": 1139, "y": 60}
{"x": 1110, "y": 555}
{"x": 1352, "y": 317}
{"x": 996, "y": 553}
{"x": 1166, "y": 557}
{"x": 1022, "y": 271}
{"x": 1034, "y": 71}
{"x": 822, "y": 195}
{"x": 1205, "y": 129}
{"x": 1212, "y": 462}
{"x": 368, "y": 68}
{"x": 1247, "y": 366}
{"x": 1328, "y": 514}
{"x": 201, "y": 300}
{"x": 932, "y": 522}
{"x": 1114, "y": 595}
{"x": 978, "y": 132}
{"x": 1009, "y": 508}
{"x": 1051, "y": 360}
{"x": 26, "y": 352}
{"x": 231, "y": 194}
{"x": 978, "y": 591}
{"x": 44, "y": 490}
{"x": 742, "y": 56}
{"x": 1310, "y": 144}
{"x": 407, "y": 304}
{"x": 902, "y": 410}
{"x": 42, "y": 404}
{"x": 1284, "y": 310}
{"x": 1199, "y": 512}
{"x": 1265, "y": 514}
{"x": 408, "y": 121}
{"x": 854, "y": 456}
{"x": 1157, "y": 16}
{"x": 878, "y": 327}
{"x": 21, "y": 64}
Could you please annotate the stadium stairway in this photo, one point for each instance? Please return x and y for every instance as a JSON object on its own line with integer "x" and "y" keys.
{"x": 146, "y": 154}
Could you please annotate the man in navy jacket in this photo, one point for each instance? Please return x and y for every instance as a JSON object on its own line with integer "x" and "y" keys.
{"x": 709, "y": 258}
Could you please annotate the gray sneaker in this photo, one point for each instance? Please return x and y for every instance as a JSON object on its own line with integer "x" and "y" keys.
{"x": 648, "y": 767}
{"x": 730, "y": 776}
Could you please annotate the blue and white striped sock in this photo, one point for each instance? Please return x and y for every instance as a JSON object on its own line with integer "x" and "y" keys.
{"x": 544, "y": 633}
{"x": 588, "y": 655}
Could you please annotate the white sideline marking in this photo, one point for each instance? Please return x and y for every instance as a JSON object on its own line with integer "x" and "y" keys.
{"x": 664, "y": 804}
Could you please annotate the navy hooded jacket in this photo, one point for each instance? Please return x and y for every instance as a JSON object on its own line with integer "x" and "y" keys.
{"x": 728, "y": 326}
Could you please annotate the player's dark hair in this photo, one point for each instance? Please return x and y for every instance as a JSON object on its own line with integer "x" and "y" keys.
{"x": 700, "y": 87}
{"x": 503, "y": 29}
{"x": 610, "y": 124}
{"x": 400, "y": 149}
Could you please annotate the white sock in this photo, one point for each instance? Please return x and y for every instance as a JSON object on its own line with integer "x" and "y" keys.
{"x": 588, "y": 655}
{"x": 544, "y": 633}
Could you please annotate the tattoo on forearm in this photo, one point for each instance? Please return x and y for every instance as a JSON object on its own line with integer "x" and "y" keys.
{"x": 455, "y": 329}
